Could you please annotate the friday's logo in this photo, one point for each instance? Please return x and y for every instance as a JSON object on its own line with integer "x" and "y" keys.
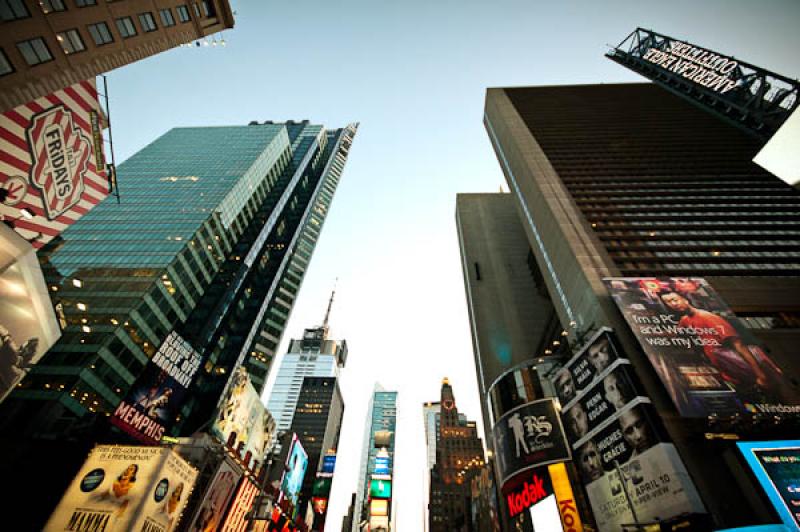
{"x": 59, "y": 159}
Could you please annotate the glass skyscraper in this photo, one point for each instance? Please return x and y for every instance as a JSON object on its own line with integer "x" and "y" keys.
{"x": 381, "y": 417}
{"x": 212, "y": 237}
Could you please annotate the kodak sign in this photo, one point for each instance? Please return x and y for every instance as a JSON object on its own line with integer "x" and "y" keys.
{"x": 533, "y": 489}
{"x": 570, "y": 519}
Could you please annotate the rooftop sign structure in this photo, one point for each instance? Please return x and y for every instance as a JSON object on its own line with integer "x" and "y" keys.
{"x": 753, "y": 98}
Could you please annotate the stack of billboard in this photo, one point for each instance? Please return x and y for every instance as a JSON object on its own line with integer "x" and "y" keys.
{"x": 126, "y": 488}
{"x": 380, "y": 492}
{"x": 709, "y": 362}
{"x": 320, "y": 492}
{"x": 626, "y": 463}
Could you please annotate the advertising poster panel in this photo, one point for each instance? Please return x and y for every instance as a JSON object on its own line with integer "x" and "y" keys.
{"x": 236, "y": 520}
{"x": 594, "y": 358}
{"x": 218, "y": 495}
{"x": 241, "y": 411}
{"x": 126, "y": 488}
{"x": 152, "y": 404}
{"x": 707, "y": 359}
{"x": 657, "y": 483}
{"x": 567, "y": 508}
{"x": 529, "y": 436}
{"x": 776, "y": 465}
{"x": 28, "y": 325}
{"x": 380, "y": 489}
{"x": 50, "y": 162}
{"x": 328, "y": 464}
{"x": 295, "y": 470}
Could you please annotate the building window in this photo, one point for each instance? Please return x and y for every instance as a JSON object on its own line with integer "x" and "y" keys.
{"x": 183, "y": 14}
{"x": 70, "y": 41}
{"x": 208, "y": 8}
{"x": 49, "y": 6}
{"x": 100, "y": 33}
{"x": 166, "y": 17}
{"x": 13, "y": 10}
{"x": 147, "y": 22}
{"x": 196, "y": 9}
{"x": 5, "y": 64}
{"x": 84, "y": 3}
{"x": 35, "y": 51}
{"x": 126, "y": 27}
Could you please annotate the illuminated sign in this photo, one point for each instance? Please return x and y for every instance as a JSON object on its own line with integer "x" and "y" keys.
{"x": 532, "y": 490}
{"x": 380, "y": 489}
{"x": 709, "y": 362}
{"x": 236, "y": 520}
{"x": 382, "y": 465}
{"x": 529, "y": 436}
{"x": 328, "y": 463}
{"x": 322, "y": 486}
{"x": 126, "y": 488}
{"x": 50, "y": 164}
{"x": 319, "y": 504}
{"x": 152, "y": 404}
{"x": 776, "y": 465}
{"x": 568, "y": 511}
{"x": 378, "y": 507}
{"x": 295, "y": 470}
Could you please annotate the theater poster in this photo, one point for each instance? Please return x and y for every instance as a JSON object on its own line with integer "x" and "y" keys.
{"x": 707, "y": 359}
{"x": 126, "y": 488}
{"x": 51, "y": 161}
{"x": 153, "y": 402}
{"x": 218, "y": 496}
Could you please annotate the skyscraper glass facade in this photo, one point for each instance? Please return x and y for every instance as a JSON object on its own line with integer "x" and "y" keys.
{"x": 211, "y": 237}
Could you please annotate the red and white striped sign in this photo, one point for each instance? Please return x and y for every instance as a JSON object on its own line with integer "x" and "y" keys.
{"x": 236, "y": 520}
{"x": 48, "y": 162}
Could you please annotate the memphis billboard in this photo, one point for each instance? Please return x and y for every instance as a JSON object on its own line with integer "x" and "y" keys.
{"x": 51, "y": 161}
{"x": 242, "y": 413}
{"x": 153, "y": 402}
{"x": 126, "y": 488}
{"x": 709, "y": 362}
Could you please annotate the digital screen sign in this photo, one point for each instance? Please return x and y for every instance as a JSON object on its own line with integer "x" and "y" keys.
{"x": 380, "y": 489}
{"x": 296, "y": 465}
{"x": 382, "y": 465}
{"x": 776, "y": 465}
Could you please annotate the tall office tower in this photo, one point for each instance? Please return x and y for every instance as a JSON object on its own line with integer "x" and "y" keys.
{"x": 317, "y": 422}
{"x": 211, "y": 239}
{"x": 633, "y": 181}
{"x": 49, "y": 45}
{"x": 314, "y": 355}
{"x": 379, "y": 433}
{"x": 347, "y": 520}
{"x": 430, "y": 416}
{"x": 459, "y": 456}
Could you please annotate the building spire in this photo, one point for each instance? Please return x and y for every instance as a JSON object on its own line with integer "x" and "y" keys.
{"x": 330, "y": 304}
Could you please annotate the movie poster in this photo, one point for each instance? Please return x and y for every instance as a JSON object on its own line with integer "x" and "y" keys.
{"x": 51, "y": 161}
{"x": 153, "y": 402}
{"x": 212, "y": 509}
{"x": 242, "y": 412}
{"x": 707, "y": 359}
{"x": 123, "y": 488}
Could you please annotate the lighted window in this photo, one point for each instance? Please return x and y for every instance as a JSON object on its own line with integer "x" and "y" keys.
{"x": 35, "y": 51}
{"x": 70, "y": 41}
{"x": 126, "y": 27}
{"x": 49, "y": 6}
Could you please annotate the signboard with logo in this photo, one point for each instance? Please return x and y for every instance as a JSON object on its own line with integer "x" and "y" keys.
{"x": 153, "y": 402}
{"x": 217, "y": 497}
{"x": 380, "y": 489}
{"x": 328, "y": 464}
{"x": 49, "y": 163}
{"x": 28, "y": 325}
{"x": 529, "y": 436}
{"x": 236, "y": 520}
{"x": 126, "y": 488}
{"x": 776, "y": 465}
{"x": 565, "y": 498}
{"x": 241, "y": 411}
{"x": 707, "y": 359}
{"x": 533, "y": 487}
{"x": 382, "y": 465}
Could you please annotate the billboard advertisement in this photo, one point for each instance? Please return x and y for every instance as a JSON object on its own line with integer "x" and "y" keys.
{"x": 581, "y": 370}
{"x": 153, "y": 402}
{"x": 241, "y": 411}
{"x": 656, "y": 482}
{"x": 382, "y": 466}
{"x": 294, "y": 470}
{"x": 534, "y": 487}
{"x": 776, "y": 465}
{"x": 50, "y": 164}
{"x": 217, "y": 497}
{"x": 236, "y": 520}
{"x": 126, "y": 488}
{"x": 28, "y": 325}
{"x": 529, "y": 436}
{"x": 707, "y": 359}
{"x": 322, "y": 486}
{"x": 328, "y": 464}
{"x": 380, "y": 489}
{"x": 567, "y": 508}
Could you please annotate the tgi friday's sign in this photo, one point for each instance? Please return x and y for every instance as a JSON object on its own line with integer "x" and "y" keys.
{"x": 529, "y": 436}
{"x": 49, "y": 161}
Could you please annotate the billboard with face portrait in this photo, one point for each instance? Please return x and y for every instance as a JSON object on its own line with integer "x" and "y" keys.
{"x": 218, "y": 495}
{"x": 126, "y": 488}
{"x": 51, "y": 161}
{"x": 152, "y": 404}
{"x": 707, "y": 359}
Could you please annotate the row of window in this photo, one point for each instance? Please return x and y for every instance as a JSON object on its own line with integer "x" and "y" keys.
{"x": 15, "y": 9}
{"x": 35, "y": 51}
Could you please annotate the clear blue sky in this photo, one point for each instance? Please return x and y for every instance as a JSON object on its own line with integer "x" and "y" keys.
{"x": 414, "y": 74}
